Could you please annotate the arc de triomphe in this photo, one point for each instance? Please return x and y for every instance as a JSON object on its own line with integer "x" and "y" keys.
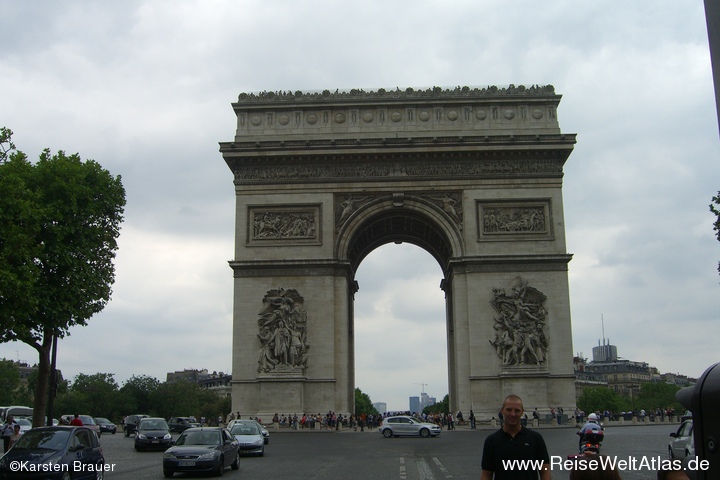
{"x": 471, "y": 175}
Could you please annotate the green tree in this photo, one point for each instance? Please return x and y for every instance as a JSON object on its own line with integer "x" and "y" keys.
{"x": 176, "y": 399}
{"x": 658, "y": 395}
{"x": 59, "y": 223}
{"x": 443, "y": 406}
{"x": 715, "y": 209}
{"x": 599, "y": 399}
{"x": 136, "y": 393}
{"x": 363, "y": 404}
{"x": 95, "y": 395}
{"x": 9, "y": 382}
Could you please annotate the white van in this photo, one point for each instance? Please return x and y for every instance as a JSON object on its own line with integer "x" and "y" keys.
{"x": 15, "y": 411}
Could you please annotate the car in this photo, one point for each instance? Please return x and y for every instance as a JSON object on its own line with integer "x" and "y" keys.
{"x": 106, "y": 425}
{"x": 202, "y": 449}
{"x": 250, "y": 438}
{"x": 24, "y": 423}
{"x": 131, "y": 422}
{"x": 180, "y": 424}
{"x": 404, "y": 425}
{"x": 86, "y": 420}
{"x": 152, "y": 433}
{"x": 53, "y": 452}
{"x": 682, "y": 444}
{"x": 265, "y": 433}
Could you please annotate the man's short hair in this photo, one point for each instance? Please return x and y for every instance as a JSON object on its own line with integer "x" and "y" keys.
{"x": 513, "y": 397}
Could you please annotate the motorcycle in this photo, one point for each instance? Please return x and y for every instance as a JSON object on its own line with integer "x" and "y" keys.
{"x": 591, "y": 439}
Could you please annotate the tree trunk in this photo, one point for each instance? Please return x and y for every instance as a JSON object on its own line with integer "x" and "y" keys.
{"x": 41, "y": 390}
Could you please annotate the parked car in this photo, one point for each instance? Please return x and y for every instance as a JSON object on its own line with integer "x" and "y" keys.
{"x": 682, "y": 444}
{"x": 152, "y": 433}
{"x": 202, "y": 449}
{"x": 87, "y": 421}
{"x": 180, "y": 424}
{"x": 404, "y": 425}
{"x": 56, "y": 447}
{"x": 250, "y": 438}
{"x": 265, "y": 433}
{"x": 106, "y": 425}
{"x": 131, "y": 422}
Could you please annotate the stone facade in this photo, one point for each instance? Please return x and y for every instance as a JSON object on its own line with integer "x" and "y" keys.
{"x": 473, "y": 176}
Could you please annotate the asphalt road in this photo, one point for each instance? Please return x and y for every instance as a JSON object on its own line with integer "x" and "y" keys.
{"x": 355, "y": 455}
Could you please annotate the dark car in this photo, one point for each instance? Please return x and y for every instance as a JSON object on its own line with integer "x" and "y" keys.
{"x": 55, "y": 452}
{"x": 203, "y": 449}
{"x": 131, "y": 422}
{"x": 106, "y": 425}
{"x": 152, "y": 433}
{"x": 180, "y": 424}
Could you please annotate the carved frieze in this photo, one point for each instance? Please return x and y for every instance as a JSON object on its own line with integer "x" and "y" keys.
{"x": 283, "y": 225}
{"x": 520, "y": 325}
{"x": 318, "y": 172}
{"x": 514, "y": 220}
{"x": 283, "y": 333}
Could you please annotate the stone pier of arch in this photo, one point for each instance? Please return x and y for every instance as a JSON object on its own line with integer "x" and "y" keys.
{"x": 471, "y": 175}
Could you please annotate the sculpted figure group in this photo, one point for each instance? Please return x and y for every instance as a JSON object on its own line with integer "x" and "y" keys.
{"x": 283, "y": 335}
{"x": 519, "y": 327}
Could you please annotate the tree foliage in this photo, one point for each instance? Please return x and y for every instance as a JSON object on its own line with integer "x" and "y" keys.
{"x": 9, "y": 382}
{"x": 363, "y": 404}
{"x": 658, "y": 395}
{"x": 599, "y": 399}
{"x": 59, "y": 223}
{"x": 137, "y": 391}
{"x": 443, "y": 406}
{"x": 715, "y": 209}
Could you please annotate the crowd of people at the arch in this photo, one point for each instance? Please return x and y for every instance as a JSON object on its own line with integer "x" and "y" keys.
{"x": 363, "y": 421}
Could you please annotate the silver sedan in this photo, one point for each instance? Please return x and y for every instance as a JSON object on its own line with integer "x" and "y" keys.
{"x": 404, "y": 425}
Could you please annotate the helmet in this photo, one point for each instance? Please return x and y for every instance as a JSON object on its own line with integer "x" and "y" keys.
{"x": 592, "y": 417}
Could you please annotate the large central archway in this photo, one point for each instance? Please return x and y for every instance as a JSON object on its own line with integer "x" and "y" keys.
{"x": 472, "y": 176}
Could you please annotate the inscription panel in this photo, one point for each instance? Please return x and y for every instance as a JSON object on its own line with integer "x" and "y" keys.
{"x": 284, "y": 225}
{"x": 514, "y": 220}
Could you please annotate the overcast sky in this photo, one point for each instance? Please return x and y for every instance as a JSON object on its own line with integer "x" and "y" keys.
{"x": 145, "y": 87}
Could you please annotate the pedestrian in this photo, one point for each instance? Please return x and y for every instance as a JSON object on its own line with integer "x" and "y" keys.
{"x": 514, "y": 442}
{"x": 76, "y": 422}
{"x": 472, "y": 420}
{"x": 7, "y": 431}
{"x": 15, "y": 436}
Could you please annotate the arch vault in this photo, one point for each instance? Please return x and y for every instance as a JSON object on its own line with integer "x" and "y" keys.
{"x": 473, "y": 176}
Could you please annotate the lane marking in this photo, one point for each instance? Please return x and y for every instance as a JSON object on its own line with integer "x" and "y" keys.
{"x": 403, "y": 472}
{"x": 442, "y": 468}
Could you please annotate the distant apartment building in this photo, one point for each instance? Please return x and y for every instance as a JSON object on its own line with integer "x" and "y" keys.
{"x": 218, "y": 382}
{"x": 381, "y": 407}
{"x": 624, "y": 377}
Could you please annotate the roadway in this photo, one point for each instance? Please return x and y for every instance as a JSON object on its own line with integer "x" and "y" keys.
{"x": 367, "y": 455}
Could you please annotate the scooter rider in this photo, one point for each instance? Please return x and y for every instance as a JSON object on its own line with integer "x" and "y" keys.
{"x": 591, "y": 432}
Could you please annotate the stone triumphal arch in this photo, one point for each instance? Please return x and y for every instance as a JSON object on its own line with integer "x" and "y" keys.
{"x": 472, "y": 175}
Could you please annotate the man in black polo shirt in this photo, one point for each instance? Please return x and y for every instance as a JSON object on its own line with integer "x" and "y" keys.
{"x": 513, "y": 442}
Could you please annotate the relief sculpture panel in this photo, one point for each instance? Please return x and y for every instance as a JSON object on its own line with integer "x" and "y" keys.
{"x": 283, "y": 333}
{"x": 285, "y": 225}
{"x": 520, "y": 325}
{"x": 502, "y": 221}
